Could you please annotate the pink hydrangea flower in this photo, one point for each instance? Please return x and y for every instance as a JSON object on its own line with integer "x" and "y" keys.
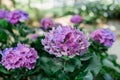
{"x": 104, "y": 36}
{"x": 47, "y": 23}
{"x": 76, "y": 19}
{"x": 65, "y": 41}
{"x": 20, "y": 56}
{"x": 17, "y": 16}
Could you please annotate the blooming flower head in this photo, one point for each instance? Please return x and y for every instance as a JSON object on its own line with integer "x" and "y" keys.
{"x": 104, "y": 36}
{"x": 76, "y": 19}
{"x": 47, "y": 23}
{"x": 3, "y": 13}
{"x": 20, "y": 56}
{"x": 65, "y": 41}
{"x": 17, "y": 16}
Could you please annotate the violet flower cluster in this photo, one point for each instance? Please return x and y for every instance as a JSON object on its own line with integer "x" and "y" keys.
{"x": 104, "y": 36}
{"x": 20, "y": 56}
{"x": 76, "y": 19}
{"x": 65, "y": 41}
{"x": 17, "y": 16}
{"x": 3, "y": 13}
{"x": 46, "y": 23}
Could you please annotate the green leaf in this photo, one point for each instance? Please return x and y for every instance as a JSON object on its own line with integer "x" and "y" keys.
{"x": 77, "y": 62}
{"x": 45, "y": 78}
{"x": 3, "y": 70}
{"x": 112, "y": 57}
{"x": 85, "y": 57}
{"x": 108, "y": 77}
{"x": 44, "y": 59}
{"x": 3, "y": 36}
{"x": 61, "y": 76}
{"x": 65, "y": 58}
{"x": 69, "y": 68}
{"x": 81, "y": 75}
{"x": 3, "y": 23}
{"x": 87, "y": 75}
{"x": 109, "y": 64}
{"x": 24, "y": 29}
{"x": 36, "y": 77}
{"x": 94, "y": 65}
{"x": 57, "y": 65}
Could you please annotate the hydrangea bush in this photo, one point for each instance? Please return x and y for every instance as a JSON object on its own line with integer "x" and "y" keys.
{"x": 13, "y": 29}
{"x": 62, "y": 53}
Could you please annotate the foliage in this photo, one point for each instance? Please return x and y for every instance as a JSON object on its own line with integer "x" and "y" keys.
{"x": 11, "y": 34}
{"x": 95, "y": 12}
{"x": 95, "y": 64}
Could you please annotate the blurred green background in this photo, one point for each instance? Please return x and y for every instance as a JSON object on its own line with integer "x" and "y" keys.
{"x": 93, "y": 11}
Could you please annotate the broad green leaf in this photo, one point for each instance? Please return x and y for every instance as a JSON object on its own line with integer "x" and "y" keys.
{"x": 62, "y": 76}
{"x": 35, "y": 77}
{"x": 77, "y": 62}
{"x": 89, "y": 76}
{"x": 65, "y": 58}
{"x": 4, "y": 23}
{"x": 109, "y": 64}
{"x": 3, "y": 36}
{"x": 94, "y": 65}
{"x": 112, "y": 57}
{"x": 81, "y": 75}
{"x": 108, "y": 77}
{"x": 69, "y": 68}
{"x": 85, "y": 57}
{"x": 3, "y": 70}
{"x": 55, "y": 66}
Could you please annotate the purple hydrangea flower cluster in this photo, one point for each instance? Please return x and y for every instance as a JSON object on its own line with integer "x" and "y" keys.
{"x": 104, "y": 36}
{"x": 65, "y": 41}
{"x": 46, "y": 23}
{"x": 20, "y": 56}
{"x": 76, "y": 19}
{"x": 17, "y": 16}
{"x": 3, "y": 13}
